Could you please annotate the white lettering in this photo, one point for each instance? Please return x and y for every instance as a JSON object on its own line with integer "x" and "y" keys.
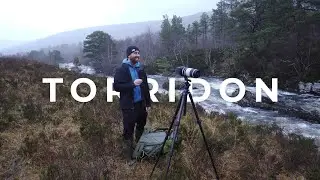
{"x": 154, "y": 90}
{"x": 110, "y": 91}
{"x": 53, "y": 82}
{"x": 207, "y": 89}
{"x": 172, "y": 90}
{"x": 260, "y": 85}
{"x": 223, "y": 86}
{"x": 93, "y": 90}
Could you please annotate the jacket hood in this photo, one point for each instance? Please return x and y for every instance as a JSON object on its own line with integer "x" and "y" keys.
{"x": 127, "y": 61}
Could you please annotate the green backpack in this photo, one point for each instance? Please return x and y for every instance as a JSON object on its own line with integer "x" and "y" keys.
{"x": 150, "y": 143}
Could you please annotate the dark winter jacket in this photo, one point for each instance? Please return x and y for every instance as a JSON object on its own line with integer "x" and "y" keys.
{"x": 123, "y": 83}
{"x": 134, "y": 75}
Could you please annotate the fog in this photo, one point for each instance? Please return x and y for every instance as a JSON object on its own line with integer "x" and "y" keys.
{"x": 34, "y": 19}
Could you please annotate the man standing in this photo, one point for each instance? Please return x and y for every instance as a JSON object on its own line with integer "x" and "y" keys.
{"x": 131, "y": 81}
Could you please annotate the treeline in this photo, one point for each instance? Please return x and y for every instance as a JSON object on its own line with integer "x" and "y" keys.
{"x": 55, "y": 54}
{"x": 265, "y": 38}
{"x": 53, "y": 57}
{"x": 243, "y": 39}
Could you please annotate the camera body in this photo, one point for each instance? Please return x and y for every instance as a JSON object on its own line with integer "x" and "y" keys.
{"x": 188, "y": 72}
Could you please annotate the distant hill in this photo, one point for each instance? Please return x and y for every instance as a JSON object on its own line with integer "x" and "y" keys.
{"x": 8, "y": 43}
{"x": 117, "y": 31}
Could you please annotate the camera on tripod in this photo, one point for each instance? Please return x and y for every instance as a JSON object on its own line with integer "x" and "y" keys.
{"x": 181, "y": 111}
{"x": 188, "y": 72}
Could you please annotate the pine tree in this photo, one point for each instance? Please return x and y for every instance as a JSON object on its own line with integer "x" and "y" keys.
{"x": 177, "y": 28}
{"x": 204, "y": 26}
{"x": 189, "y": 35}
{"x": 218, "y": 24}
{"x": 195, "y": 32}
{"x": 178, "y": 38}
{"x": 166, "y": 34}
{"x": 100, "y": 48}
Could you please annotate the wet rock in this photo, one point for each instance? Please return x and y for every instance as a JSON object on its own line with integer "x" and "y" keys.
{"x": 312, "y": 116}
{"x": 313, "y": 88}
{"x": 287, "y": 107}
{"x": 301, "y": 87}
{"x": 317, "y": 143}
{"x": 249, "y": 100}
{"x": 305, "y": 87}
{"x": 308, "y": 87}
{"x": 76, "y": 69}
{"x": 316, "y": 88}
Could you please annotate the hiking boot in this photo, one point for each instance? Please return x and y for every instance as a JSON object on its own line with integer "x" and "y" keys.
{"x": 128, "y": 149}
{"x": 131, "y": 162}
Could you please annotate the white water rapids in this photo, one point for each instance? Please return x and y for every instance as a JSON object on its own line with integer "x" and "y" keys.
{"x": 249, "y": 114}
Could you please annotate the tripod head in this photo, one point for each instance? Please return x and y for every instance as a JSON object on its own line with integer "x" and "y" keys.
{"x": 186, "y": 79}
{"x": 186, "y": 92}
{"x": 186, "y": 83}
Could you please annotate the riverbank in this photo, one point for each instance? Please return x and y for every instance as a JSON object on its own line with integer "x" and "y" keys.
{"x": 295, "y": 113}
{"x": 72, "y": 140}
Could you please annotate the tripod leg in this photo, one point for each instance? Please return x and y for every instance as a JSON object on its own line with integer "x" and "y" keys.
{"x": 176, "y": 128}
{"x": 185, "y": 104}
{"x": 204, "y": 138}
{"x": 171, "y": 125}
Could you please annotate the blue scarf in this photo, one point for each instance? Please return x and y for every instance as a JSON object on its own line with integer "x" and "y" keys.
{"x": 134, "y": 75}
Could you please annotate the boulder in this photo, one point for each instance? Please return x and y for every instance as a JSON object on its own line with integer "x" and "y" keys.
{"x": 311, "y": 116}
{"x": 249, "y": 100}
{"x": 316, "y": 88}
{"x": 301, "y": 87}
{"x": 308, "y": 87}
{"x": 313, "y": 88}
{"x": 317, "y": 142}
{"x": 288, "y": 108}
{"x": 305, "y": 87}
{"x": 76, "y": 69}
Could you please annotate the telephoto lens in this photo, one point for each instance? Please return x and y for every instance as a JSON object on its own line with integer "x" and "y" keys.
{"x": 189, "y": 72}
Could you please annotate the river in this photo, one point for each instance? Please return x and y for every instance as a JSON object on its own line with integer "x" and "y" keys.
{"x": 215, "y": 103}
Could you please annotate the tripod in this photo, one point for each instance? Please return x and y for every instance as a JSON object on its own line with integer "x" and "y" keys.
{"x": 182, "y": 105}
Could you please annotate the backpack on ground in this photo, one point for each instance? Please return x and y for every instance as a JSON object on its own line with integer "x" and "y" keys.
{"x": 150, "y": 143}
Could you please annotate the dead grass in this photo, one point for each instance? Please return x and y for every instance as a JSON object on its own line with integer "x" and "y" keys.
{"x": 72, "y": 140}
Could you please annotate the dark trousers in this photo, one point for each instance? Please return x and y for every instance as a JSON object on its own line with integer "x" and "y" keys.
{"x": 134, "y": 117}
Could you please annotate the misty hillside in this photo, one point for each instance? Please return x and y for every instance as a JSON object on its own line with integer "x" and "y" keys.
{"x": 8, "y": 43}
{"x": 117, "y": 31}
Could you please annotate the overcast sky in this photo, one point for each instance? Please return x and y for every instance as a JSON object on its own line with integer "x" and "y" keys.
{"x": 32, "y": 19}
